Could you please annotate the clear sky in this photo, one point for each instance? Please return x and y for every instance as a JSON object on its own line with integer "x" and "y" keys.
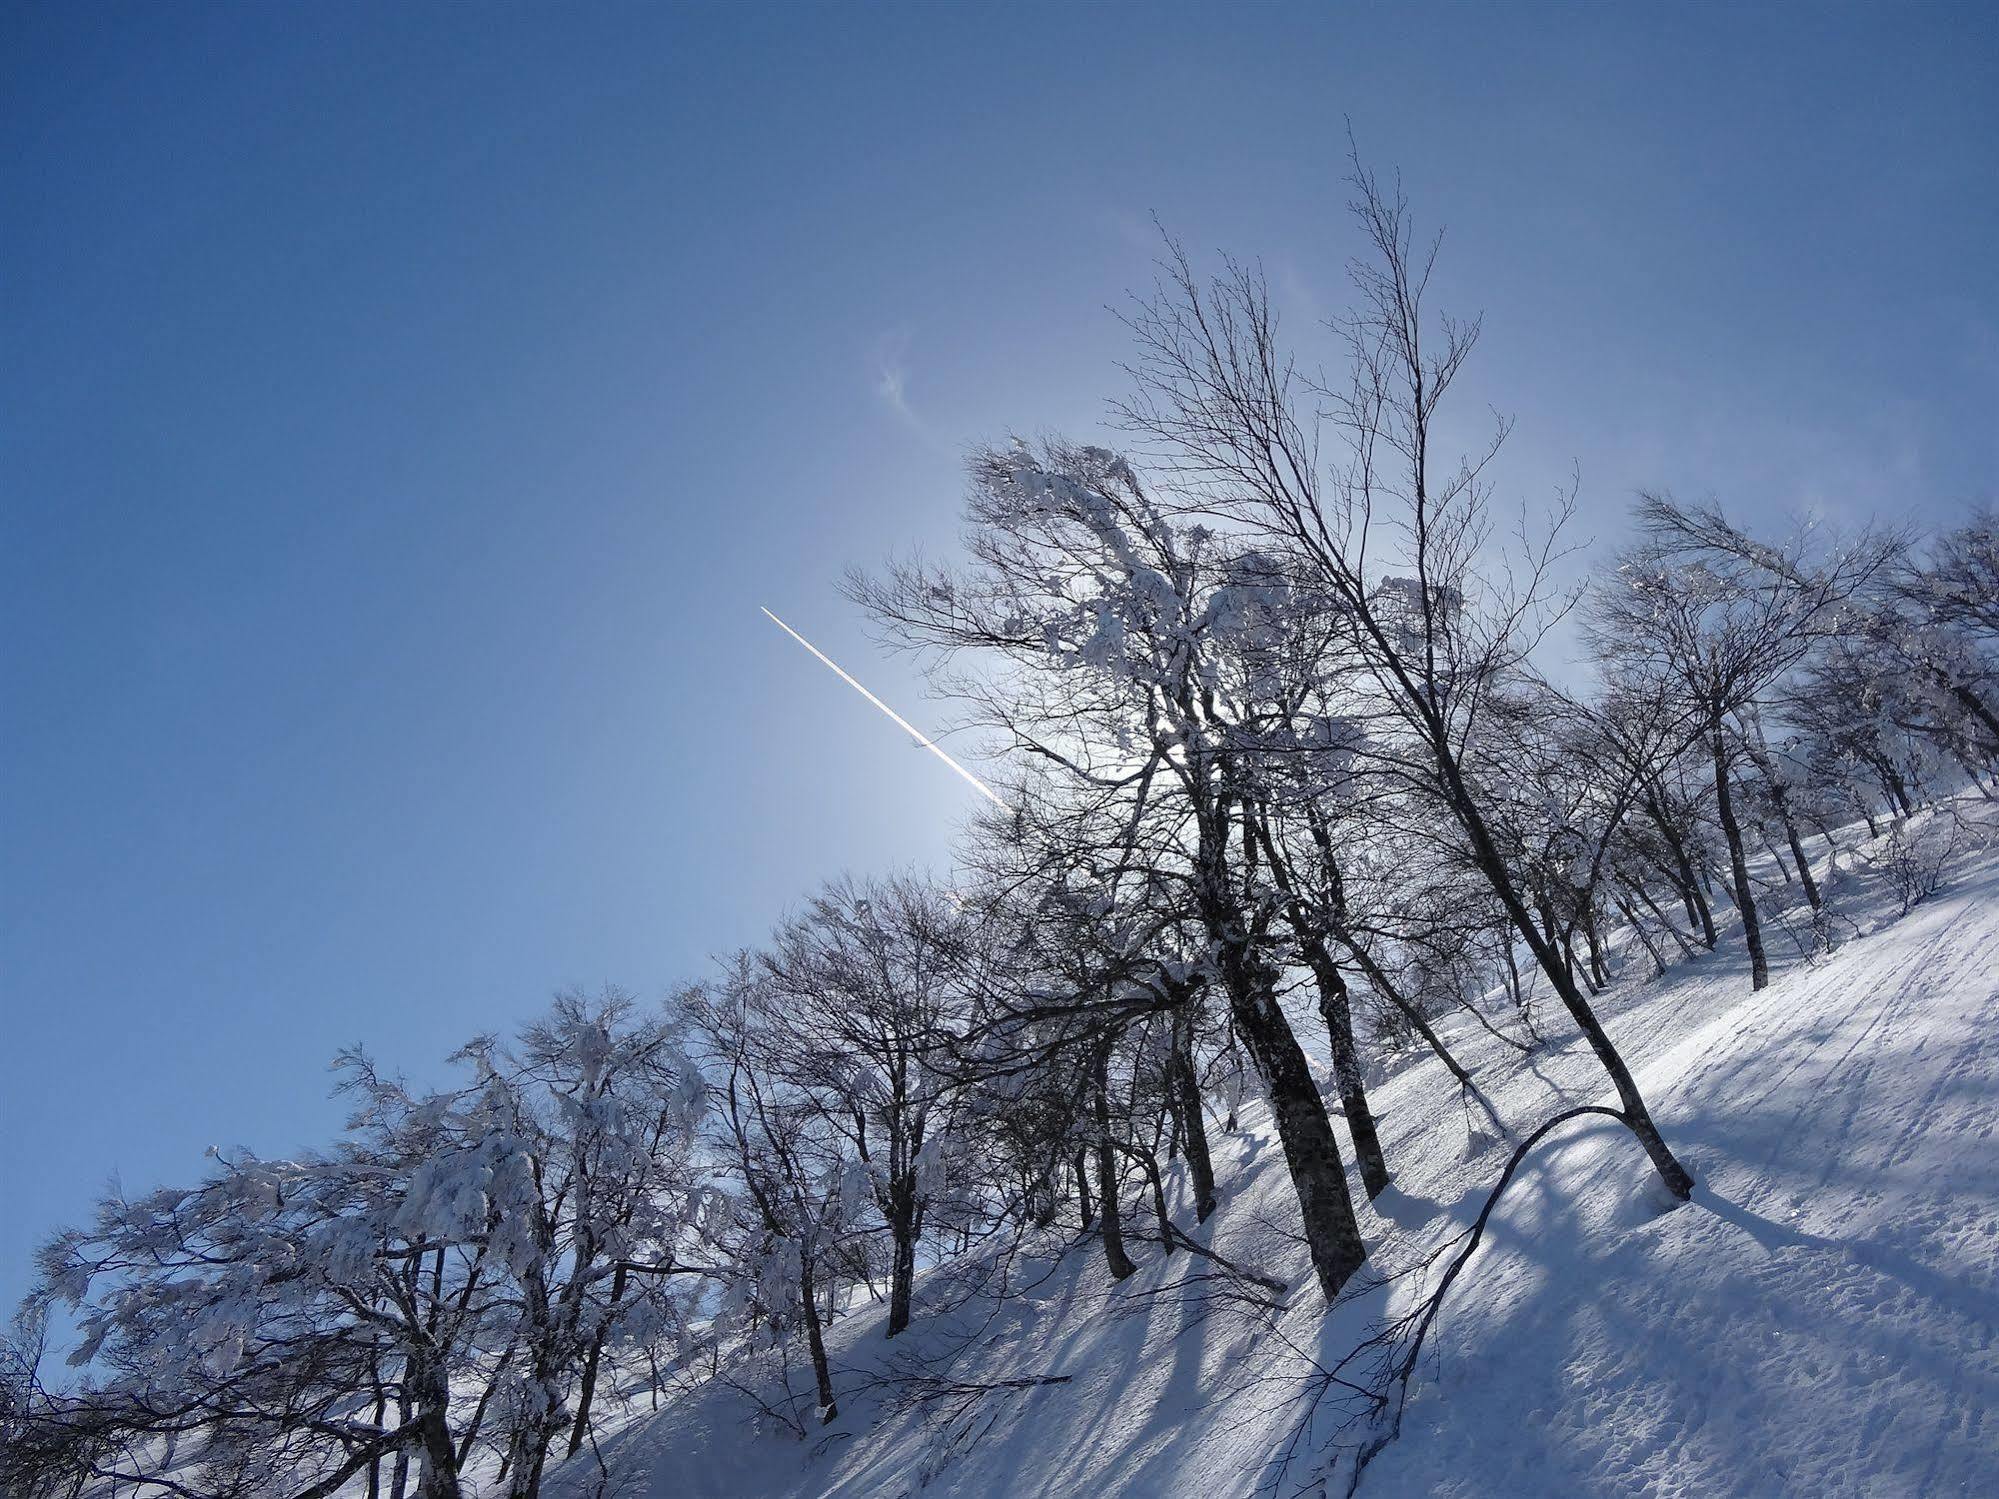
{"x": 404, "y": 411}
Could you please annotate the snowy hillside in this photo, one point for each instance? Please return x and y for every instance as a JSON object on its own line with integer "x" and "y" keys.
{"x": 1820, "y": 1320}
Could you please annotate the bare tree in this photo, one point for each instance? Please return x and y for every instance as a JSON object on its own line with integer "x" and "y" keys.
{"x": 1218, "y": 392}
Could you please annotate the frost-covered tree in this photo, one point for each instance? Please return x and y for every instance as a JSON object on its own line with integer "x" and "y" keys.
{"x": 608, "y": 1103}
{"x": 1129, "y": 651}
{"x": 443, "y": 1277}
{"x": 868, "y": 985}
{"x": 1943, "y": 623}
{"x": 798, "y": 1189}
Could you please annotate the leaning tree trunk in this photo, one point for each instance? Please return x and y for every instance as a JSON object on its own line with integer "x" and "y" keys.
{"x": 1303, "y": 1129}
{"x": 1745, "y": 896}
{"x": 1780, "y": 798}
{"x": 1385, "y": 987}
{"x": 1492, "y": 864}
{"x": 1312, "y": 1154}
{"x": 1686, "y": 877}
{"x": 1698, "y": 909}
{"x": 1337, "y": 1010}
{"x": 1638, "y": 930}
{"x": 1334, "y": 1007}
{"x": 1638, "y": 888}
{"x": 1599, "y": 973}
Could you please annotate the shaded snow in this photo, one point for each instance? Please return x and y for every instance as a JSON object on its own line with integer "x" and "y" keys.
{"x": 1819, "y": 1321}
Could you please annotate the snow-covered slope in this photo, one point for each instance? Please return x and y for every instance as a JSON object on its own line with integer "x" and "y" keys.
{"x": 1820, "y": 1320}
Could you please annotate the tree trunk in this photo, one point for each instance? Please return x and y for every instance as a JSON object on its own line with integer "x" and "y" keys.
{"x": 1385, "y": 987}
{"x": 1745, "y": 897}
{"x": 1493, "y": 865}
{"x": 399, "y": 1471}
{"x": 1041, "y": 1197}
{"x": 1638, "y": 930}
{"x": 1086, "y": 1209}
{"x": 1770, "y": 849}
{"x": 1685, "y": 877}
{"x": 1108, "y": 1211}
{"x": 815, "y": 1341}
{"x": 1334, "y": 1007}
{"x": 1804, "y": 863}
{"x": 1306, "y": 1134}
{"x": 1599, "y": 974}
{"x": 1152, "y": 1175}
{"x": 1310, "y": 1151}
{"x": 586, "y": 1389}
{"x": 1337, "y": 1010}
{"x": 902, "y": 1270}
{"x": 1193, "y": 1128}
{"x": 437, "y": 1473}
{"x": 1686, "y": 947}
{"x": 1710, "y": 939}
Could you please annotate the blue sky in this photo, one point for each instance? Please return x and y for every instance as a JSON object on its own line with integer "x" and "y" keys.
{"x": 406, "y": 409}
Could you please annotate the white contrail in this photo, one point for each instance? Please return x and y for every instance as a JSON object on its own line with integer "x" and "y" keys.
{"x": 915, "y": 733}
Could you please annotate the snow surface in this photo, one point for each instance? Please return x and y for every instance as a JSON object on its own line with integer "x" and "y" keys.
{"x": 1819, "y": 1321}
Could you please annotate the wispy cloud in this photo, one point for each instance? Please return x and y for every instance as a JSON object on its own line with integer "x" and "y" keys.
{"x": 891, "y": 385}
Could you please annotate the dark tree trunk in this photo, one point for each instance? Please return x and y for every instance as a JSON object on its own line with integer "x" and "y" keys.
{"x": 1972, "y": 703}
{"x": 1041, "y": 1197}
{"x": 1709, "y": 938}
{"x": 586, "y": 1389}
{"x": 1108, "y": 1210}
{"x": 381, "y": 1410}
{"x": 1780, "y": 798}
{"x": 1977, "y": 776}
{"x": 1575, "y": 969}
{"x": 1638, "y": 930}
{"x": 1685, "y": 877}
{"x": 1152, "y": 1175}
{"x": 399, "y": 1471}
{"x": 1895, "y": 784}
{"x": 1186, "y": 1086}
{"x": 1383, "y": 985}
{"x": 1336, "y": 1007}
{"x": 437, "y": 1476}
{"x": 1770, "y": 848}
{"x": 1305, "y": 1132}
{"x": 815, "y": 1340}
{"x": 902, "y": 1232}
{"x": 1085, "y": 1208}
{"x": 1493, "y": 866}
{"x": 1310, "y": 1151}
{"x": 1686, "y": 947}
{"x": 1804, "y": 863}
{"x": 1745, "y": 897}
{"x": 1599, "y": 974}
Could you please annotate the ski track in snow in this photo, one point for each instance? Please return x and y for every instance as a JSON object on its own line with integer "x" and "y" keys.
{"x": 1819, "y": 1321}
